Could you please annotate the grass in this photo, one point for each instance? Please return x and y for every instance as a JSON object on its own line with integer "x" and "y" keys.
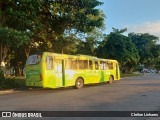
{"x": 130, "y": 75}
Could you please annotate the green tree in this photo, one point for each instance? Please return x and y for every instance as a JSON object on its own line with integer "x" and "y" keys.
{"x": 10, "y": 38}
{"x": 90, "y": 43}
{"x": 53, "y": 24}
{"x": 157, "y": 63}
{"x": 49, "y": 20}
{"x": 147, "y": 48}
{"x": 119, "y": 47}
{"x": 68, "y": 19}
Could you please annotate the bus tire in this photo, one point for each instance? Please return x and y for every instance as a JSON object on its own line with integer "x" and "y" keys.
{"x": 79, "y": 83}
{"x": 111, "y": 79}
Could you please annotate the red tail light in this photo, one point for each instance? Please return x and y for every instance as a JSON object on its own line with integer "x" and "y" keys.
{"x": 40, "y": 76}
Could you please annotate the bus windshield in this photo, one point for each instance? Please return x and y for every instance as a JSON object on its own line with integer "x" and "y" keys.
{"x": 34, "y": 59}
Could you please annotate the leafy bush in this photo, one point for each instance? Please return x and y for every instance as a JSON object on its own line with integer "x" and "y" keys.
{"x": 1, "y": 74}
{"x": 8, "y": 83}
{"x": 1, "y": 77}
{"x": 20, "y": 82}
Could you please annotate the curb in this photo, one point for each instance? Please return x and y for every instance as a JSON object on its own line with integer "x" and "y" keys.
{"x": 7, "y": 91}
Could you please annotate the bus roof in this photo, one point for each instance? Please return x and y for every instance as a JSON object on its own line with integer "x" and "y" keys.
{"x": 80, "y": 56}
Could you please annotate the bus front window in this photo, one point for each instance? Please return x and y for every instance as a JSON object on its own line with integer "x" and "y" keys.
{"x": 34, "y": 59}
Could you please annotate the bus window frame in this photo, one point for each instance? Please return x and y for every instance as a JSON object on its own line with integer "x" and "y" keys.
{"x": 110, "y": 65}
{"x": 70, "y": 60}
{"x": 84, "y": 65}
{"x": 90, "y": 65}
{"x": 52, "y": 66}
{"x": 103, "y": 63}
{"x": 97, "y": 65}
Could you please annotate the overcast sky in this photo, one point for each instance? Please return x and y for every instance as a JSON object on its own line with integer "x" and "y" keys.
{"x": 139, "y": 16}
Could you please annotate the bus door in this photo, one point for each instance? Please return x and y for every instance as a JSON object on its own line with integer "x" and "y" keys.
{"x": 103, "y": 71}
{"x": 109, "y": 70}
{"x": 117, "y": 71}
{"x": 90, "y": 72}
{"x": 97, "y": 73}
{"x": 59, "y": 68}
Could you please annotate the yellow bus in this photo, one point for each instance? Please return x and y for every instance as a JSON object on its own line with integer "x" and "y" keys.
{"x": 53, "y": 70}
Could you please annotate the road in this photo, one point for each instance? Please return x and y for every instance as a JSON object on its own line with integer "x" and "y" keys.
{"x": 140, "y": 93}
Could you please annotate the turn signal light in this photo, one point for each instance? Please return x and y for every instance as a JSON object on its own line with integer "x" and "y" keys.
{"x": 40, "y": 76}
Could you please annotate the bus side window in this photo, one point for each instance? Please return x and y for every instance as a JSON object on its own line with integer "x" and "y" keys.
{"x": 73, "y": 64}
{"x": 49, "y": 62}
{"x": 102, "y": 65}
{"x": 83, "y": 64}
{"x": 107, "y": 67}
{"x": 90, "y": 65}
{"x": 96, "y": 65}
{"x": 110, "y": 65}
{"x": 68, "y": 64}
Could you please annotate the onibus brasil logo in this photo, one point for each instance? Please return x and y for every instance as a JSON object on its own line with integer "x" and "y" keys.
{"x": 21, "y": 114}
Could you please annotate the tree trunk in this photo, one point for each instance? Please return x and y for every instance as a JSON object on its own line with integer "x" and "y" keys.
{"x": 27, "y": 52}
{"x": 4, "y": 51}
{"x": 1, "y": 56}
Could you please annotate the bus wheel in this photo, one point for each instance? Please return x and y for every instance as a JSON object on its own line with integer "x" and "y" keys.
{"x": 79, "y": 83}
{"x": 111, "y": 79}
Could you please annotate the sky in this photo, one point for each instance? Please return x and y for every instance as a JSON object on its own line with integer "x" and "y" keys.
{"x": 139, "y": 16}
